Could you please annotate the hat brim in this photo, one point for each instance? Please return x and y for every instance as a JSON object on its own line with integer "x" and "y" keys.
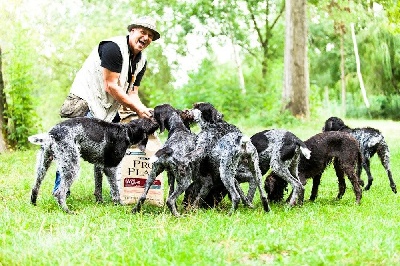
{"x": 156, "y": 34}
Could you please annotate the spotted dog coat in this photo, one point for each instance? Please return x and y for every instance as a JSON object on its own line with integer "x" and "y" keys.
{"x": 98, "y": 142}
{"x": 371, "y": 141}
{"x": 279, "y": 150}
{"x": 172, "y": 157}
{"x": 339, "y": 147}
{"x": 220, "y": 147}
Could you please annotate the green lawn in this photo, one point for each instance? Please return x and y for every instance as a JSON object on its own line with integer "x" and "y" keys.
{"x": 326, "y": 232}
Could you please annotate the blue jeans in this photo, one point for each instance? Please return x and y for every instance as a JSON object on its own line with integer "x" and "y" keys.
{"x": 57, "y": 181}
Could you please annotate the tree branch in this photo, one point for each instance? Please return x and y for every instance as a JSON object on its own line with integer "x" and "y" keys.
{"x": 253, "y": 18}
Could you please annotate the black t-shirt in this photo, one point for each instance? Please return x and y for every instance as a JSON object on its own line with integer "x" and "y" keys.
{"x": 111, "y": 58}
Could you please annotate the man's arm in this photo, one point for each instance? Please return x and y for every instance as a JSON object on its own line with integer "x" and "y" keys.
{"x": 130, "y": 100}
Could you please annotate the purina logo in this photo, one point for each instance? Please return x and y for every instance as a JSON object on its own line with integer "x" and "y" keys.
{"x": 130, "y": 152}
{"x": 143, "y": 158}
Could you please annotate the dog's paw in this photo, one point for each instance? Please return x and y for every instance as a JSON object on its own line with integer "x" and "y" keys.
{"x": 118, "y": 202}
{"x": 135, "y": 210}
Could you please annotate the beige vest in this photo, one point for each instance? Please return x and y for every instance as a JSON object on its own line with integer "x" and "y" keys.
{"x": 89, "y": 84}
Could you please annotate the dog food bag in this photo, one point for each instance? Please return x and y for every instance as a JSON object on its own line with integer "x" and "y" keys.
{"x": 133, "y": 172}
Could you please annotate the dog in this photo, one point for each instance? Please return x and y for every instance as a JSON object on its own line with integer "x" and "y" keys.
{"x": 101, "y": 143}
{"x": 339, "y": 147}
{"x": 278, "y": 150}
{"x": 172, "y": 157}
{"x": 371, "y": 141}
{"x": 220, "y": 147}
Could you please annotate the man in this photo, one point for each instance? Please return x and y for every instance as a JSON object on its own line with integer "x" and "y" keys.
{"x": 111, "y": 76}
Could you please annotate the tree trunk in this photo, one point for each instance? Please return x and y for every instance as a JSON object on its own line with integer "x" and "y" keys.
{"x": 3, "y": 146}
{"x": 360, "y": 79}
{"x": 238, "y": 67}
{"x": 296, "y": 78}
{"x": 342, "y": 73}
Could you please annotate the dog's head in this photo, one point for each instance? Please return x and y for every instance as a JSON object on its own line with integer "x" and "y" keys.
{"x": 275, "y": 187}
{"x": 162, "y": 113}
{"x": 208, "y": 112}
{"x": 333, "y": 124}
{"x": 188, "y": 117}
{"x": 140, "y": 129}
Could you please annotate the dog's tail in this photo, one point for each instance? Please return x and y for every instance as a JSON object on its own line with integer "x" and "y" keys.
{"x": 242, "y": 141}
{"x": 245, "y": 139}
{"x": 39, "y": 139}
{"x": 303, "y": 148}
{"x": 306, "y": 152}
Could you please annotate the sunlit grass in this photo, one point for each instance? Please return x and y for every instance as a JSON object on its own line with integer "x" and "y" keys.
{"x": 326, "y": 232}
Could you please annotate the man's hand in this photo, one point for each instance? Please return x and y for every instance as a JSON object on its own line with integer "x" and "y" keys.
{"x": 145, "y": 113}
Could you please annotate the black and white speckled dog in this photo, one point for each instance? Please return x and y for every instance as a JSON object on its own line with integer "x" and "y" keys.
{"x": 339, "y": 147}
{"x": 220, "y": 147}
{"x": 279, "y": 151}
{"x": 371, "y": 141}
{"x": 172, "y": 157}
{"x": 98, "y": 142}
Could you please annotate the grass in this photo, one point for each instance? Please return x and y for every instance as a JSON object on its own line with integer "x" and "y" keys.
{"x": 326, "y": 232}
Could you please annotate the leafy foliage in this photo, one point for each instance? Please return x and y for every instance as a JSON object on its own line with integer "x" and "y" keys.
{"x": 22, "y": 119}
{"x": 61, "y": 38}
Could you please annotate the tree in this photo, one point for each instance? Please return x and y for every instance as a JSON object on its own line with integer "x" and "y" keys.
{"x": 296, "y": 78}
{"x": 2, "y": 104}
{"x": 19, "y": 110}
{"x": 250, "y": 24}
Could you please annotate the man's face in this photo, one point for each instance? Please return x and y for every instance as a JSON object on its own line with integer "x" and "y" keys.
{"x": 140, "y": 38}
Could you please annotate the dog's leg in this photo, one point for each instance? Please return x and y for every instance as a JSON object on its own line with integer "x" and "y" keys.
{"x": 314, "y": 191}
{"x": 98, "y": 183}
{"x": 244, "y": 198}
{"x": 366, "y": 166}
{"x": 156, "y": 169}
{"x": 257, "y": 176}
{"x": 384, "y": 155}
{"x": 340, "y": 175}
{"x": 250, "y": 156}
{"x": 44, "y": 159}
{"x": 298, "y": 189}
{"x": 171, "y": 182}
{"x": 68, "y": 165}
{"x": 227, "y": 174}
{"x": 183, "y": 182}
{"x": 359, "y": 170}
{"x": 206, "y": 183}
{"x": 190, "y": 194}
{"x": 348, "y": 168}
{"x": 68, "y": 173}
{"x": 356, "y": 186}
{"x": 111, "y": 173}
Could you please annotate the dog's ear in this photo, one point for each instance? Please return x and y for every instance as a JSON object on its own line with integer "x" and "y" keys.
{"x": 208, "y": 112}
{"x": 142, "y": 144}
{"x": 160, "y": 115}
{"x": 217, "y": 116}
{"x": 334, "y": 124}
{"x": 327, "y": 126}
{"x": 214, "y": 115}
